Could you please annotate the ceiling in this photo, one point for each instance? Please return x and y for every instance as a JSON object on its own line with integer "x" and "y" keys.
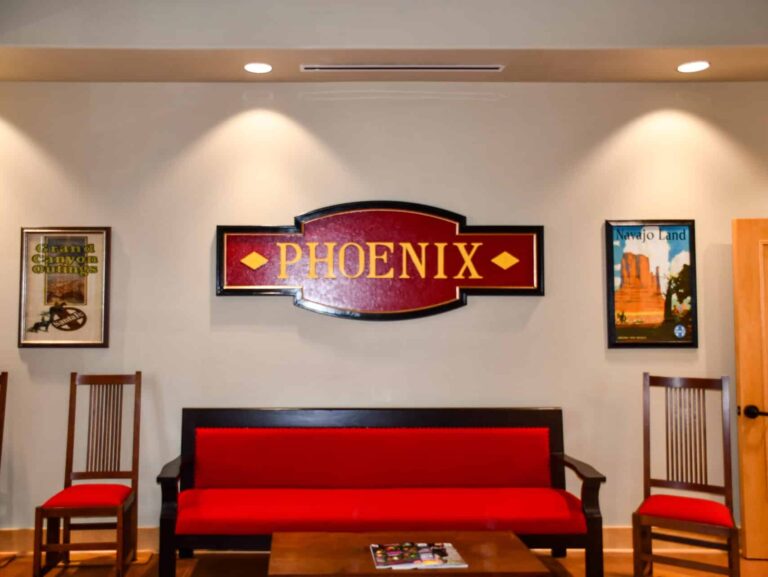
{"x": 735, "y": 63}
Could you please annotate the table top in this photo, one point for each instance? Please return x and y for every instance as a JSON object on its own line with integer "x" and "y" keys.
{"x": 487, "y": 553}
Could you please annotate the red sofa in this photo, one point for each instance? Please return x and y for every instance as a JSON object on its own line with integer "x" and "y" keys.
{"x": 247, "y": 473}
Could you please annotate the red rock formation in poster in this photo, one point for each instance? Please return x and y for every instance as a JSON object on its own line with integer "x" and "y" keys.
{"x": 638, "y": 301}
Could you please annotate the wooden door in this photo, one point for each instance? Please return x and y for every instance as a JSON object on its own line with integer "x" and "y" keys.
{"x": 750, "y": 293}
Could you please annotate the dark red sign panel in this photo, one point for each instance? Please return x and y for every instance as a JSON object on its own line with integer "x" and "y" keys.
{"x": 380, "y": 260}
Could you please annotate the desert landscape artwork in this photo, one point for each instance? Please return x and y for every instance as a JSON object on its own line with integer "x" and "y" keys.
{"x": 651, "y": 277}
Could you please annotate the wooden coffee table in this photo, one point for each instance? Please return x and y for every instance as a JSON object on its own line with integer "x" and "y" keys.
{"x": 488, "y": 553}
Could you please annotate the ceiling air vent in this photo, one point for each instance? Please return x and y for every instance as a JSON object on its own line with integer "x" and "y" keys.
{"x": 402, "y": 67}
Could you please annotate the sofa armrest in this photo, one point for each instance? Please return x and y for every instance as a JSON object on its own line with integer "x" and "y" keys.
{"x": 591, "y": 480}
{"x": 584, "y": 471}
{"x": 169, "y": 481}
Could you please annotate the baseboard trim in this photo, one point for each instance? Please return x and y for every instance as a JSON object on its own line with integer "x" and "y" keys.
{"x": 617, "y": 539}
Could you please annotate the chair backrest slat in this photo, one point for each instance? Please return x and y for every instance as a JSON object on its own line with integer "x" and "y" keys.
{"x": 104, "y": 428}
{"x": 104, "y": 435}
{"x": 685, "y": 420}
{"x": 686, "y": 435}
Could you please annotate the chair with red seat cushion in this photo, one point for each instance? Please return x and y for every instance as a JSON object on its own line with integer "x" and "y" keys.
{"x": 103, "y": 462}
{"x": 686, "y": 469}
{"x": 90, "y": 495}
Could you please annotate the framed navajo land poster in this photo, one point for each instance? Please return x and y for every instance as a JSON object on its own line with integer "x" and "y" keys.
{"x": 651, "y": 283}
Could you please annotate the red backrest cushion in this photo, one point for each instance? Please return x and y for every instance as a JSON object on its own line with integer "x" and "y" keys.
{"x": 371, "y": 458}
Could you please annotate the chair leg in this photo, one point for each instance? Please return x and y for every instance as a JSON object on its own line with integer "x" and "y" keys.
{"x": 130, "y": 535}
{"x": 734, "y": 555}
{"x": 647, "y": 546}
{"x": 66, "y": 534}
{"x": 120, "y": 553}
{"x": 134, "y": 530}
{"x": 167, "y": 561}
{"x": 52, "y": 537}
{"x": 641, "y": 546}
{"x": 185, "y": 553}
{"x": 37, "y": 554}
{"x": 637, "y": 548}
{"x": 559, "y": 552}
{"x": 594, "y": 551}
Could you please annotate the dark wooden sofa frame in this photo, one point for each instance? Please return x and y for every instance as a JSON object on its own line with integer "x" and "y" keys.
{"x": 179, "y": 474}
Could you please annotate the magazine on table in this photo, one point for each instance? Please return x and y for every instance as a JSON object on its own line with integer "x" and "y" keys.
{"x": 411, "y": 555}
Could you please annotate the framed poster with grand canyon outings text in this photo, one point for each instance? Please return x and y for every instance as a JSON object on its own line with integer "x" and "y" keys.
{"x": 651, "y": 280}
{"x": 64, "y": 298}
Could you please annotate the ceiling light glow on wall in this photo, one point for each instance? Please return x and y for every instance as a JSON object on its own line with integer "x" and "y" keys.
{"x": 690, "y": 67}
{"x": 258, "y": 67}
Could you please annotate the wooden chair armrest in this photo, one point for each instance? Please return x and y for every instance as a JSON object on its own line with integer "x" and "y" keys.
{"x": 583, "y": 471}
{"x": 591, "y": 480}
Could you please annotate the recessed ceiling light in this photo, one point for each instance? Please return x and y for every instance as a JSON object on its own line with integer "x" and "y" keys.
{"x": 696, "y": 66}
{"x": 258, "y": 67}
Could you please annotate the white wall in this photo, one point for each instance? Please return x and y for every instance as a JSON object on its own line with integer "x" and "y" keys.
{"x": 383, "y": 23}
{"x": 164, "y": 164}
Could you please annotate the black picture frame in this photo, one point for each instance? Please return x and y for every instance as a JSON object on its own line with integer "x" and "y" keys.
{"x": 64, "y": 287}
{"x": 651, "y": 291}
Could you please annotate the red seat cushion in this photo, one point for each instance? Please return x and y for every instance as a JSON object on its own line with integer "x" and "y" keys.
{"x": 265, "y": 511}
{"x": 374, "y": 458}
{"x": 90, "y": 495}
{"x": 687, "y": 509}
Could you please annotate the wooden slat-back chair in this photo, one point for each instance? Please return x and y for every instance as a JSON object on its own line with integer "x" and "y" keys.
{"x": 103, "y": 460}
{"x": 685, "y": 470}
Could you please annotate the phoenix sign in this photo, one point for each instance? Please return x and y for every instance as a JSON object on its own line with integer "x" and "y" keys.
{"x": 380, "y": 260}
